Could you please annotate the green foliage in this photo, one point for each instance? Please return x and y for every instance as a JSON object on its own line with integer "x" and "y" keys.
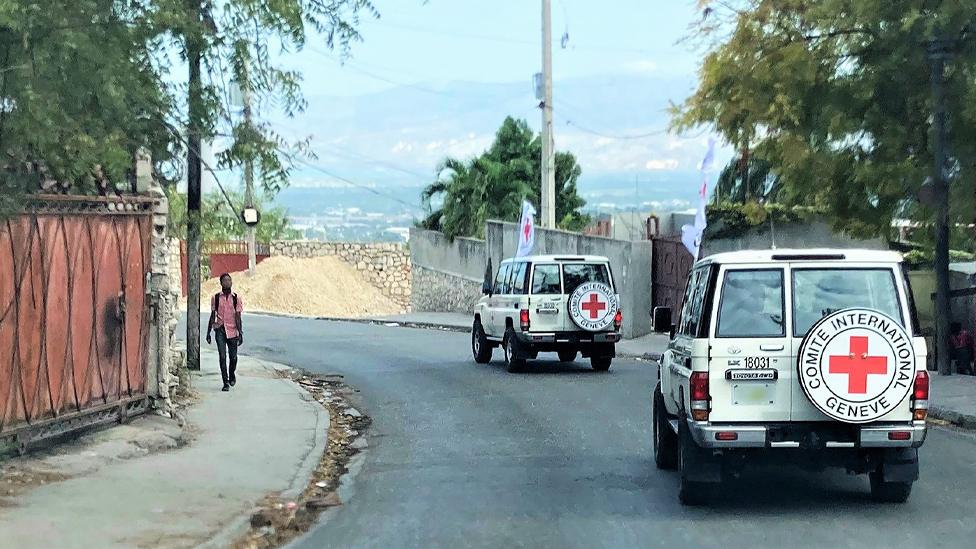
{"x": 763, "y": 184}
{"x": 920, "y": 258}
{"x": 492, "y": 185}
{"x": 835, "y": 95}
{"x": 730, "y": 219}
{"x": 79, "y": 93}
{"x": 220, "y": 223}
{"x": 84, "y": 83}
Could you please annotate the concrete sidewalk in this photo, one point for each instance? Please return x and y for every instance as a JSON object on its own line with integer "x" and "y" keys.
{"x": 265, "y": 436}
{"x": 953, "y": 399}
{"x": 649, "y": 346}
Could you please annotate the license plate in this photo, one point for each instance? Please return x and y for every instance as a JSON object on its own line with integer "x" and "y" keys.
{"x": 547, "y": 309}
{"x": 752, "y": 394}
{"x": 764, "y": 374}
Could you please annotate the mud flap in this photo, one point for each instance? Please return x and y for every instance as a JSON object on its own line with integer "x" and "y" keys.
{"x": 899, "y": 465}
{"x": 698, "y": 464}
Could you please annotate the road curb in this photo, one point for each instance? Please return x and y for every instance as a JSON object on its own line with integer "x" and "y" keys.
{"x": 373, "y": 321}
{"x": 964, "y": 421}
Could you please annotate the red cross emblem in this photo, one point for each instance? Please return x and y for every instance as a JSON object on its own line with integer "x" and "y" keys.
{"x": 858, "y": 365}
{"x": 593, "y": 306}
{"x": 527, "y": 229}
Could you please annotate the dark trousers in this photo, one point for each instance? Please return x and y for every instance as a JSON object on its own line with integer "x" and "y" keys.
{"x": 224, "y": 347}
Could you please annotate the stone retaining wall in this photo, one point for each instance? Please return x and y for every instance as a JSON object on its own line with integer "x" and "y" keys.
{"x": 167, "y": 362}
{"x": 384, "y": 265}
{"x": 440, "y": 291}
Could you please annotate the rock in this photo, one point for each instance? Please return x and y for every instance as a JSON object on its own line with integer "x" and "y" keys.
{"x": 329, "y": 500}
{"x": 261, "y": 519}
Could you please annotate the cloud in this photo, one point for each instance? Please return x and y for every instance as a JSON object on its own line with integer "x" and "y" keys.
{"x": 661, "y": 164}
{"x": 402, "y": 147}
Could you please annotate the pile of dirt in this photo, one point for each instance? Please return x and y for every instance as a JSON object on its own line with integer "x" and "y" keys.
{"x": 318, "y": 286}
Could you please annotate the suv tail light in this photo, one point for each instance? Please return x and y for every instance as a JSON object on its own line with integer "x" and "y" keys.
{"x": 698, "y": 395}
{"x": 618, "y": 319}
{"x": 920, "y": 395}
{"x": 524, "y": 319}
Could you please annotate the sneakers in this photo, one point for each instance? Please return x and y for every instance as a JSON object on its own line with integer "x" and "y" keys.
{"x": 226, "y": 388}
{"x": 233, "y": 382}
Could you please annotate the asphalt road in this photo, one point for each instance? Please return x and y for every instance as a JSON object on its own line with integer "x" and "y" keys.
{"x": 467, "y": 455}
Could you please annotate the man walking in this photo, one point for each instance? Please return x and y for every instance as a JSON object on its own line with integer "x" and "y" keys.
{"x": 225, "y": 320}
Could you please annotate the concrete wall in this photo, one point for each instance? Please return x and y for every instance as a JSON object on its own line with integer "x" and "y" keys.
{"x": 630, "y": 261}
{"x": 816, "y": 234}
{"x": 447, "y": 275}
{"x": 384, "y": 265}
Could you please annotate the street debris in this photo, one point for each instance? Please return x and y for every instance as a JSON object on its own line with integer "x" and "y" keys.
{"x": 277, "y": 521}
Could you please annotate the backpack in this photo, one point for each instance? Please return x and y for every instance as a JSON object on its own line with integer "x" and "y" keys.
{"x": 213, "y": 302}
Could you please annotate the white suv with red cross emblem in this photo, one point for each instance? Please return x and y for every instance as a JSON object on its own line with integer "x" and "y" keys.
{"x": 808, "y": 357}
{"x": 552, "y": 303}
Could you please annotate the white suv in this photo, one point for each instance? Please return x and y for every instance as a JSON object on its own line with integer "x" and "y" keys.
{"x": 811, "y": 357}
{"x": 562, "y": 304}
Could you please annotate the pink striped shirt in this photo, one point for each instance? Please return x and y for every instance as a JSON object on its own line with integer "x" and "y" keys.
{"x": 226, "y": 317}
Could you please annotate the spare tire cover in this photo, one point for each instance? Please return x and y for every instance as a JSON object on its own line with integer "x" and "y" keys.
{"x": 593, "y": 306}
{"x": 856, "y": 365}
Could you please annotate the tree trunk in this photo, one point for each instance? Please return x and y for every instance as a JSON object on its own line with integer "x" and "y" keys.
{"x": 193, "y": 181}
{"x": 943, "y": 308}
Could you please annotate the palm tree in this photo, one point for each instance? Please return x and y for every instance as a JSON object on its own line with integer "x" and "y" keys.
{"x": 493, "y": 185}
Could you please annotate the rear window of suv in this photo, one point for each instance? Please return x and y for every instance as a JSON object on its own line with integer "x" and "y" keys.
{"x": 819, "y": 292}
{"x": 576, "y": 274}
{"x": 752, "y": 304}
{"x": 545, "y": 280}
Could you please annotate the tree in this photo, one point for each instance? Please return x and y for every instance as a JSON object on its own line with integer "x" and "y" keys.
{"x": 835, "y": 96}
{"x": 79, "y": 94}
{"x": 762, "y": 184}
{"x": 493, "y": 185}
{"x": 219, "y": 222}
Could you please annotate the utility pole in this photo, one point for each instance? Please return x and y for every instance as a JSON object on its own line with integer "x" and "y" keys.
{"x": 194, "y": 53}
{"x": 939, "y": 51}
{"x": 548, "y": 216}
{"x": 249, "y": 185}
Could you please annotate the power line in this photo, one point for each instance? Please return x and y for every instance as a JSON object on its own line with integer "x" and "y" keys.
{"x": 609, "y": 136}
{"x": 362, "y": 157}
{"x": 505, "y": 40}
{"x": 360, "y": 185}
{"x": 349, "y": 65}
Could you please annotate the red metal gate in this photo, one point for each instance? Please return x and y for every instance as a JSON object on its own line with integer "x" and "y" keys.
{"x": 670, "y": 265}
{"x": 73, "y": 315}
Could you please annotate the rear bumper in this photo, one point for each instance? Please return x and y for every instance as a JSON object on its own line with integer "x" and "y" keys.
{"x": 568, "y": 338}
{"x": 894, "y": 435}
{"x": 587, "y": 344}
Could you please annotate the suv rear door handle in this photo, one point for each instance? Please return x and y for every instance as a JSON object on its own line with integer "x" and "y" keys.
{"x": 768, "y": 347}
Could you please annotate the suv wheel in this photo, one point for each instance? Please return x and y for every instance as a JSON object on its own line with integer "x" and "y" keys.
{"x": 567, "y": 356}
{"x": 665, "y": 440}
{"x": 510, "y": 345}
{"x": 601, "y": 363}
{"x": 480, "y": 346}
{"x": 689, "y": 492}
{"x": 889, "y": 492}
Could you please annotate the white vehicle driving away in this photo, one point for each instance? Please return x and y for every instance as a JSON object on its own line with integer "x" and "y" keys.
{"x": 552, "y": 303}
{"x": 809, "y": 357}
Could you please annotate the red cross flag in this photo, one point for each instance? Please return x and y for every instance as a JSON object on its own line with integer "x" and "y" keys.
{"x": 526, "y": 230}
{"x": 856, "y": 365}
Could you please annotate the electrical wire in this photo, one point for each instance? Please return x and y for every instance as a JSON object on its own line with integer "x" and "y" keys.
{"x": 360, "y": 185}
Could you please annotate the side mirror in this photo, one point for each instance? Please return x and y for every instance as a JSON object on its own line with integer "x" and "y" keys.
{"x": 661, "y": 319}
{"x": 486, "y": 288}
{"x": 674, "y": 329}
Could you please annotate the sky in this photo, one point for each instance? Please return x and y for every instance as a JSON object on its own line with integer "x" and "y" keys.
{"x": 434, "y": 79}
